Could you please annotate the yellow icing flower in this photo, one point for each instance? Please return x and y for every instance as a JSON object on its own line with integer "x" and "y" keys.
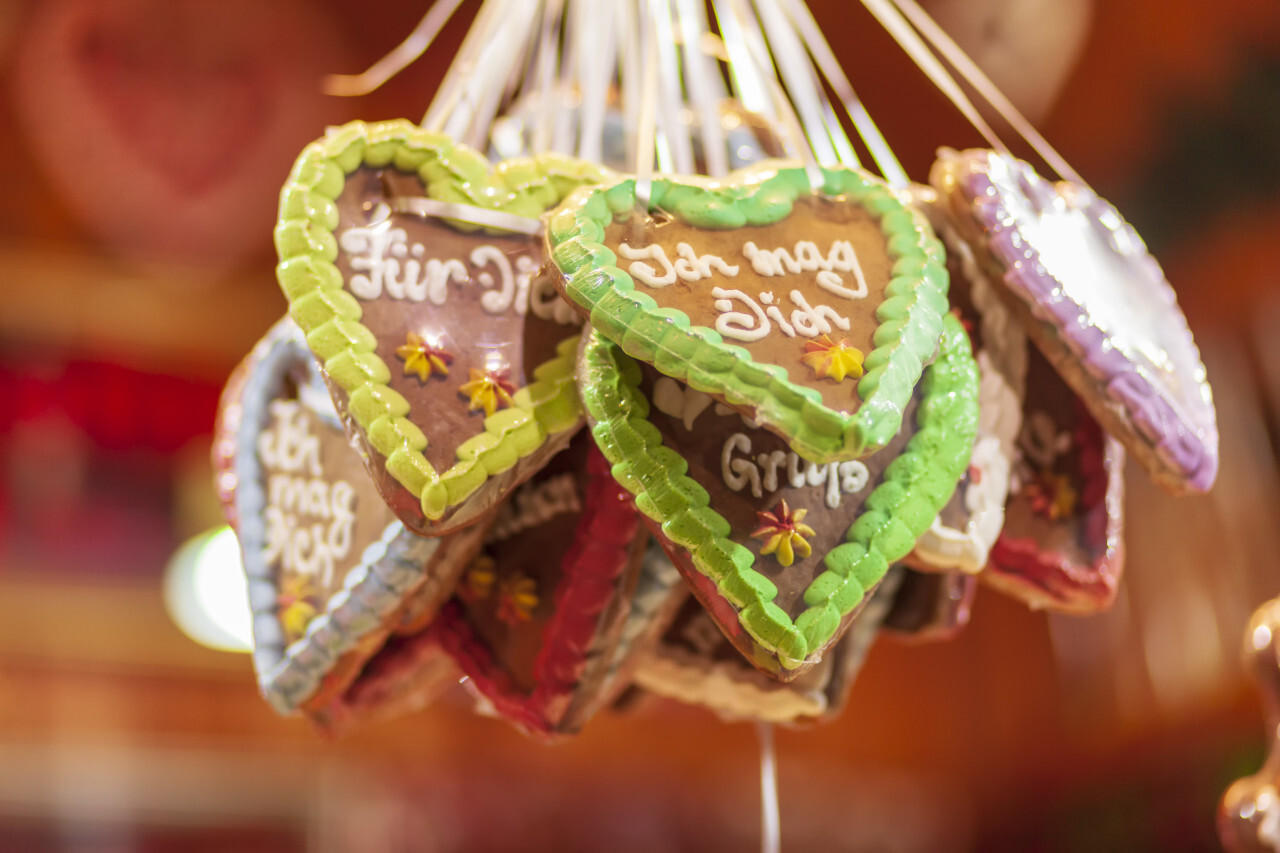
{"x": 1052, "y": 495}
{"x": 517, "y": 599}
{"x": 422, "y": 358}
{"x": 296, "y": 607}
{"x": 488, "y": 389}
{"x": 831, "y": 360}
{"x": 784, "y": 533}
{"x": 479, "y": 580}
{"x": 295, "y": 618}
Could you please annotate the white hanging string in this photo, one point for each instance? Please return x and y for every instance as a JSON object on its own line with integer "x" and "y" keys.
{"x": 826, "y": 60}
{"x": 596, "y": 78}
{"x": 491, "y": 82}
{"x": 460, "y": 70}
{"x": 898, "y": 27}
{"x": 672, "y": 131}
{"x": 629, "y": 76}
{"x": 798, "y": 77}
{"x": 546, "y": 75}
{"x": 701, "y": 94}
{"x": 770, "y": 825}
{"x": 975, "y": 77}
{"x": 844, "y": 148}
{"x": 748, "y": 83}
{"x": 647, "y": 129}
{"x": 793, "y": 136}
{"x": 566, "y": 93}
{"x": 427, "y": 207}
{"x": 403, "y": 55}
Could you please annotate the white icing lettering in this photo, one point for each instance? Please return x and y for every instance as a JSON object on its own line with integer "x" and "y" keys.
{"x": 383, "y": 261}
{"x": 534, "y": 504}
{"x": 645, "y": 273}
{"x": 737, "y": 473}
{"x": 694, "y": 267}
{"x": 545, "y": 303}
{"x": 737, "y": 324}
{"x": 813, "y": 321}
{"x": 743, "y": 317}
{"x": 762, "y": 472}
{"x": 808, "y": 258}
{"x": 309, "y": 521}
{"x": 682, "y": 403}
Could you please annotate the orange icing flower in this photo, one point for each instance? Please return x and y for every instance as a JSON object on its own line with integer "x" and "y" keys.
{"x": 517, "y": 599}
{"x": 479, "y": 579}
{"x": 831, "y": 360}
{"x": 422, "y": 358}
{"x": 1051, "y": 495}
{"x": 489, "y": 390}
{"x": 784, "y": 533}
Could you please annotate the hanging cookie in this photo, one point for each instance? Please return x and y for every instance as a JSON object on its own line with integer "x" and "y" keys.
{"x": 331, "y": 571}
{"x": 1093, "y": 300}
{"x": 962, "y": 535}
{"x": 695, "y": 663}
{"x": 538, "y": 620}
{"x": 811, "y": 312}
{"x": 1061, "y": 547}
{"x": 930, "y": 607}
{"x": 782, "y": 552}
{"x": 412, "y": 265}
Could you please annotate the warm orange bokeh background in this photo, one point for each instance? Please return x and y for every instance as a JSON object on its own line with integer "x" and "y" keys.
{"x": 1027, "y": 732}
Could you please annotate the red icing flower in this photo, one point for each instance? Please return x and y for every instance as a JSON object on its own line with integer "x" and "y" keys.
{"x": 517, "y": 599}
{"x": 784, "y": 533}
{"x": 478, "y": 582}
{"x": 489, "y": 389}
{"x": 422, "y": 358}
{"x": 1051, "y": 495}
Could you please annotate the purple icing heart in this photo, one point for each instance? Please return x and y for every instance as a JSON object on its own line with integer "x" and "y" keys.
{"x": 1073, "y": 263}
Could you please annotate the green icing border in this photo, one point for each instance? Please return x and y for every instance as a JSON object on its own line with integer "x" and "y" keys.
{"x": 330, "y": 315}
{"x": 914, "y": 488}
{"x": 910, "y": 316}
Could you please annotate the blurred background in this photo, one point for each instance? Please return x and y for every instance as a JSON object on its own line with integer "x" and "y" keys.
{"x": 143, "y": 144}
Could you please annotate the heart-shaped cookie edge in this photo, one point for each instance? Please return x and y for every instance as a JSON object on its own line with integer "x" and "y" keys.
{"x": 389, "y": 569}
{"x": 1180, "y": 452}
{"x": 734, "y": 690}
{"x": 330, "y": 316}
{"x": 923, "y": 477}
{"x": 910, "y": 318}
{"x": 1077, "y": 589}
{"x": 586, "y": 599}
{"x": 1002, "y": 380}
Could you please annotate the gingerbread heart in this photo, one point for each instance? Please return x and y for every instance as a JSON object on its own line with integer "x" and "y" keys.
{"x": 695, "y": 664}
{"x": 408, "y": 673}
{"x": 783, "y": 553}
{"x": 962, "y": 535}
{"x": 537, "y": 621}
{"x": 1096, "y": 304}
{"x": 811, "y": 312}
{"x": 412, "y": 265}
{"x": 930, "y": 606}
{"x": 331, "y": 571}
{"x": 1061, "y": 547}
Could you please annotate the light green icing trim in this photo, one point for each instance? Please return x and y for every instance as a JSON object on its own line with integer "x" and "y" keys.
{"x": 330, "y": 316}
{"x": 910, "y": 316}
{"x": 914, "y": 488}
